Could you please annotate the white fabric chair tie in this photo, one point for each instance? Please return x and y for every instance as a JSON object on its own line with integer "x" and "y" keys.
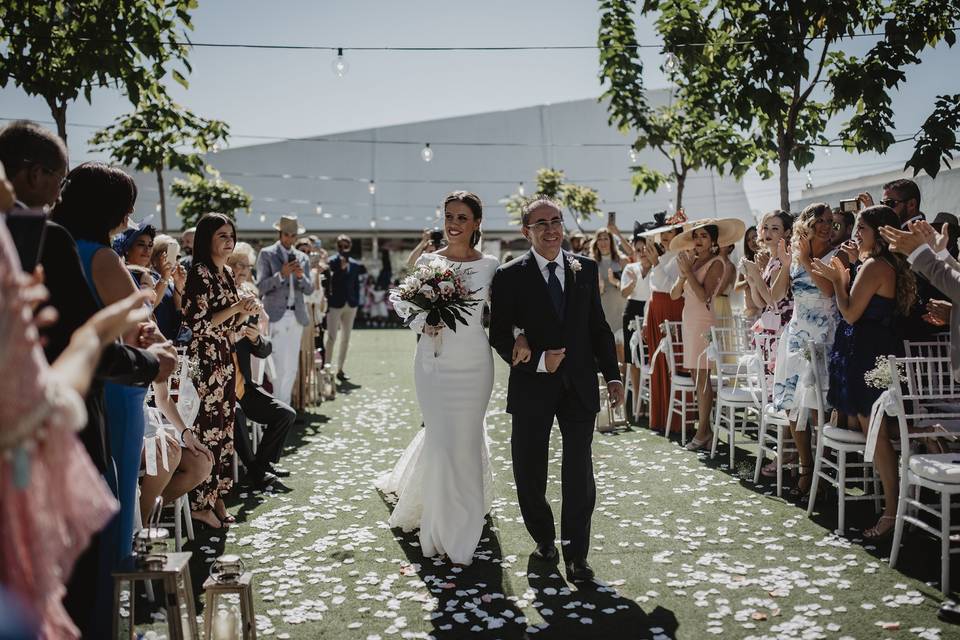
{"x": 886, "y": 404}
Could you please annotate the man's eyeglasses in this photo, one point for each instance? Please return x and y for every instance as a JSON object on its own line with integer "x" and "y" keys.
{"x": 47, "y": 170}
{"x": 891, "y": 202}
{"x": 837, "y": 226}
{"x": 554, "y": 224}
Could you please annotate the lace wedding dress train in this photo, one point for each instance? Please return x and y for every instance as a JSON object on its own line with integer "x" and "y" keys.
{"x": 443, "y": 479}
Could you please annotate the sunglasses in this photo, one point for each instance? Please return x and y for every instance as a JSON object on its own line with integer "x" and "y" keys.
{"x": 837, "y": 226}
{"x": 891, "y": 202}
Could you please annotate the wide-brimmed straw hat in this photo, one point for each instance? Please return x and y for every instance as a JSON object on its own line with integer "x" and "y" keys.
{"x": 663, "y": 224}
{"x": 729, "y": 231}
{"x": 288, "y": 224}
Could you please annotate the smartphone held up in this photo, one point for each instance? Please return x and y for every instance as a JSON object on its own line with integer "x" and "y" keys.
{"x": 28, "y": 229}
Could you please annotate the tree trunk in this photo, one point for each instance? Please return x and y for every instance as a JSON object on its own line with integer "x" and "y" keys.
{"x": 784, "y": 155}
{"x": 59, "y": 112}
{"x": 163, "y": 200}
{"x": 681, "y": 183}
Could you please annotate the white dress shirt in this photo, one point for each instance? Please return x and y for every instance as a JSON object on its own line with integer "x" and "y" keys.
{"x": 633, "y": 272}
{"x": 664, "y": 275}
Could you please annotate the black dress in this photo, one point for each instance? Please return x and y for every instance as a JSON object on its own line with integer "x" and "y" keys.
{"x": 855, "y": 351}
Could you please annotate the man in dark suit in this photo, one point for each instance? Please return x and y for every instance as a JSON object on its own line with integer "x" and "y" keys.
{"x": 343, "y": 298}
{"x": 554, "y": 298}
{"x": 258, "y": 405}
{"x": 36, "y": 163}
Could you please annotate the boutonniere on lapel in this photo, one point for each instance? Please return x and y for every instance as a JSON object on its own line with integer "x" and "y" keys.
{"x": 575, "y": 267}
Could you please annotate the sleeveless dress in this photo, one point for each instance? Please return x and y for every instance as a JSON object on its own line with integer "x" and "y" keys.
{"x": 611, "y": 300}
{"x": 443, "y": 479}
{"x": 814, "y": 319}
{"x": 126, "y": 422}
{"x": 855, "y": 352}
{"x": 775, "y": 317}
{"x": 696, "y": 321}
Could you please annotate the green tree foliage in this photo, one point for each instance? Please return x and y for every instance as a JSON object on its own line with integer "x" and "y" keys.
{"x": 159, "y": 135}
{"x": 937, "y": 139}
{"x": 687, "y": 131}
{"x": 200, "y": 194}
{"x": 582, "y": 201}
{"x": 774, "y": 69}
{"x": 60, "y": 49}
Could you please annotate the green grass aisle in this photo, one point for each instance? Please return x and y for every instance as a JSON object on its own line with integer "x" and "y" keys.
{"x": 683, "y": 548}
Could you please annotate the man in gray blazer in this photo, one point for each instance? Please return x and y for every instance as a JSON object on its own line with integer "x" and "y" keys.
{"x": 926, "y": 251}
{"x": 283, "y": 277}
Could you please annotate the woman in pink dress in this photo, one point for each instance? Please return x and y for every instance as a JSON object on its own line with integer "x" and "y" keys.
{"x": 52, "y": 499}
{"x": 702, "y": 273}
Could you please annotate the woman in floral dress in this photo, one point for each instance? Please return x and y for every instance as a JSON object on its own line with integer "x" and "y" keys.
{"x": 211, "y": 306}
{"x": 814, "y": 320}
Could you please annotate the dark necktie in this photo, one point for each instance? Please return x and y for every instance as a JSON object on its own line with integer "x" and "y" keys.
{"x": 554, "y": 288}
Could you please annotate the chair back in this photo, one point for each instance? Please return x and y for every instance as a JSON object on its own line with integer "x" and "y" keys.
{"x": 926, "y": 349}
{"x": 672, "y": 345}
{"x": 731, "y": 355}
{"x": 636, "y": 343}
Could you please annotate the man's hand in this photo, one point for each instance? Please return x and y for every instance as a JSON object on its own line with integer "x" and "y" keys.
{"x": 902, "y": 241}
{"x": 937, "y": 241}
{"x": 865, "y": 199}
{"x": 521, "y": 350}
{"x": 167, "y": 355}
{"x": 288, "y": 268}
{"x": 615, "y": 393}
{"x": 552, "y": 359}
{"x": 251, "y": 333}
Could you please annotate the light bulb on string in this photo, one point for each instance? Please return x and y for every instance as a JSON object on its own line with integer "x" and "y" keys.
{"x": 633, "y": 155}
{"x": 373, "y": 224}
{"x": 521, "y": 190}
{"x": 263, "y": 217}
{"x": 426, "y": 153}
{"x": 809, "y": 184}
{"x": 158, "y": 207}
{"x": 372, "y": 187}
{"x": 319, "y": 208}
{"x": 438, "y": 212}
{"x": 339, "y": 65}
{"x": 669, "y": 186}
{"x": 672, "y": 63}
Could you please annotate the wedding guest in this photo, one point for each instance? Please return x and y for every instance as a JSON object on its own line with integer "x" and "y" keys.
{"x": 636, "y": 289}
{"x": 342, "y": 301}
{"x": 843, "y": 222}
{"x": 283, "y": 278}
{"x": 750, "y": 247}
{"x": 610, "y": 265}
{"x": 664, "y": 272}
{"x": 720, "y": 301}
{"x": 211, "y": 309}
{"x": 881, "y": 296}
{"x": 428, "y": 244}
{"x": 702, "y": 272}
{"x": 168, "y": 311}
{"x": 771, "y": 290}
{"x": 578, "y": 243}
{"x": 953, "y": 230}
{"x": 186, "y": 246}
{"x": 814, "y": 320}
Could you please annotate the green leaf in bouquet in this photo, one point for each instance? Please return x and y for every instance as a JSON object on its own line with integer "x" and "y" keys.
{"x": 433, "y": 317}
{"x": 448, "y": 319}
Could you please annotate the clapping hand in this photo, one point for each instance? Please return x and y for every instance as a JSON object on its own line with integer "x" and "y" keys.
{"x": 904, "y": 242}
{"x": 937, "y": 241}
{"x": 612, "y": 279}
{"x": 835, "y": 272}
{"x": 852, "y": 251}
{"x": 685, "y": 262}
{"x": 938, "y": 312}
{"x": 750, "y": 268}
{"x": 179, "y": 277}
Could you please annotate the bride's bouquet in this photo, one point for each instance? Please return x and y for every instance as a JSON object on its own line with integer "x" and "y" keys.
{"x": 434, "y": 294}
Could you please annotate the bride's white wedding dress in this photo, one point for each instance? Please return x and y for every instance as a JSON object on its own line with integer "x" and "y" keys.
{"x": 443, "y": 479}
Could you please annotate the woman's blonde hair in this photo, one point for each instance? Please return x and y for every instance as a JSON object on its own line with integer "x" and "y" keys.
{"x": 803, "y": 225}
{"x": 163, "y": 243}
{"x": 244, "y": 250}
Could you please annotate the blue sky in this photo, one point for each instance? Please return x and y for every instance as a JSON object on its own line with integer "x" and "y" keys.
{"x": 295, "y": 93}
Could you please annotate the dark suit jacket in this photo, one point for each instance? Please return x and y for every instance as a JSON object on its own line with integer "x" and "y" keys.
{"x": 245, "y": 349}
{"x": 71, "y": 297}
{"x": 519, "y": 298}
{"x": 344, "y": 283}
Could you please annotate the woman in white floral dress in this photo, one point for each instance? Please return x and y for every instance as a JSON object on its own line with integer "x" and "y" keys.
{"x": 814, "y": 319}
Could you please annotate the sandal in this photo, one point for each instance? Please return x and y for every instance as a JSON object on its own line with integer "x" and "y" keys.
{"x": 877, "y": 533}
{"x": 769, "y": 470}
{"x": 203, "y": 522}
{"x": 225, "y": 517}
{"x": 696, "y": 445}
{"x": 800, "y": 492}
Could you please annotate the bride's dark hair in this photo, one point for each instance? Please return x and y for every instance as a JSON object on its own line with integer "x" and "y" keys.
{"x": 906, "y": 284}
{"x": 473, "y": 203}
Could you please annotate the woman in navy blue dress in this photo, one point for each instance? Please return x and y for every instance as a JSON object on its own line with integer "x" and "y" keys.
{"x": 881, "y": 296}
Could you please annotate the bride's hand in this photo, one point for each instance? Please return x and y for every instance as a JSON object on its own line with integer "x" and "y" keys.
{"x": 521, "y": 350}
{"x": 432, "y": 330}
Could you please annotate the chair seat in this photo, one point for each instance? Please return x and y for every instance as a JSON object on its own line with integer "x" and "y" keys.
{"x": 840, "y": 434}
{"x": 775, "y": 416}
{"x": 683, "y": 381}
{"x": 739, "y": 395}
{"x": 937, "y": 467}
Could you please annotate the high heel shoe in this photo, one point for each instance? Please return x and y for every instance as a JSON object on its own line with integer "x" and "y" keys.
{"x": 204, "y": 524}
{"x": 696, "y": 445}
{"x": 874, "y": 534}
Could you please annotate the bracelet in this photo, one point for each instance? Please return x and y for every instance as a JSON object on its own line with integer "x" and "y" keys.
{"x": 183, "y": 433}
{"x": 178, "y": 291}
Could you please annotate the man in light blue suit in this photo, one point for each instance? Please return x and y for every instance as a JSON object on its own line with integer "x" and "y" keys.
{"x": 283, "y": 276}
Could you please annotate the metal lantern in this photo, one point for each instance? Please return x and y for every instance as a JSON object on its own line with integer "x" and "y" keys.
{"x": 609, "y": 417}
{"x": 328, "y": 383}
{"x": 150, "y": 561}
{"x": 227, "y": 576}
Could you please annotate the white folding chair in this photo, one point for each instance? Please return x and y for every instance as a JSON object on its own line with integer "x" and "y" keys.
{"x": 926, "y": 349}
{"x": 773, "y": 437}
{"x": 738, "y": 387}
{"x": 682, "y": 387}
{"x": 640, "y": 390}
{"x": 929, "y": 397}
{"x": 843, "y": 443}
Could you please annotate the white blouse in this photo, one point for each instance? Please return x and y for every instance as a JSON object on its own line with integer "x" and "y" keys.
{"x": 633, "y": 272}
{"x": 663, "y": 276}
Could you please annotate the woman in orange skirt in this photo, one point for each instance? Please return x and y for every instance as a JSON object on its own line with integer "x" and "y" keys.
{"x": 663, "y": 275}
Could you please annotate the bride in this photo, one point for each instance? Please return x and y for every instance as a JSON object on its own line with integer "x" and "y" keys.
{"x": 443, "y": 479}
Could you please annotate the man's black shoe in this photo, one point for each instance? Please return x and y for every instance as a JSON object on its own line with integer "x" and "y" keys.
{"x": 280, "y": 473}
{"x": 262, "y": 480}
{"x": 546, "y": 552}
{"x": 579, "y": 571}
{"x": 342, "y": 377}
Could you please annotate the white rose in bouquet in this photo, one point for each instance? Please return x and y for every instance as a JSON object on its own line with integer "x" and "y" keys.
{"x": 446, "y": 287}
{"x": 427, "y": 292}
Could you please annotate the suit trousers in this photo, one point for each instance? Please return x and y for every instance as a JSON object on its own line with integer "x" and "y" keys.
{"x": 277, "y": 418}
{"x": 530, "y": 444}
{"x": 285, "y": 334}
{"x": 339, "y": 319}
